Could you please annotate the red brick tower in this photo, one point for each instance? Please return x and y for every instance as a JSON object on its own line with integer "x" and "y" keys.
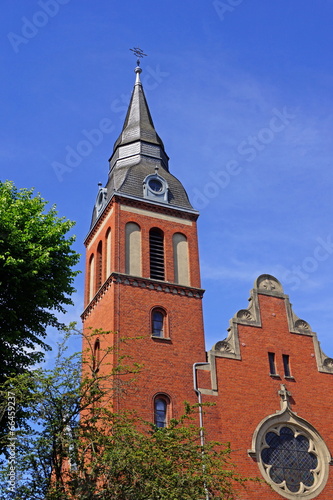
{"x": 142, "y": 269}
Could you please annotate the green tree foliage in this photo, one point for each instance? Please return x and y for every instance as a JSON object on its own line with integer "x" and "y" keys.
{"x": 102, "y": 455}
{"x": 36, "y": 276}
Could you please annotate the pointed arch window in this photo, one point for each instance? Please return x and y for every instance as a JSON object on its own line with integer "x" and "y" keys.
{"x": 156, "y": 250}
{"x": 161, "y": 410}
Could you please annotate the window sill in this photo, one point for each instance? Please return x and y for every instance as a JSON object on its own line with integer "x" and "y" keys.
{"x": 161, "y": 339}
{"x": 274, "y": 375}
{"x": 289, "y": 377}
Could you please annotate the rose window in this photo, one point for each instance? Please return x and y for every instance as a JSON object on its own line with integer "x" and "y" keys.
{"x": 289, "y": 458}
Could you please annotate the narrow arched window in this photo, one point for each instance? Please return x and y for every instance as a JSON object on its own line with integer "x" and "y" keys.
{"x": 108, "y": 253}
{"x": 180, "y": 259}
{"x": 96, "y": 356}
{"x": 91, "y": 286}
{"x": 99, "y": 265}
{"x": 133, "y": 249}
{"x": 161, "y": 406}
{"x": 156, "y": 250}
{"x": 158, "y": 323}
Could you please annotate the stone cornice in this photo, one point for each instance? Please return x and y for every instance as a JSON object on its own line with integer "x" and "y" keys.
{"x": 150, "y": 284}
{"x": 132, "y": 201}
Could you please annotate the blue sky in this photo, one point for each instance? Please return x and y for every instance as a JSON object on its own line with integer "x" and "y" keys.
{"x": 240, "y": 92}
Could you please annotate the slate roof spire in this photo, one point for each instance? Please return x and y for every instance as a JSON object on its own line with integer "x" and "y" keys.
{"x": 138, "y": 125}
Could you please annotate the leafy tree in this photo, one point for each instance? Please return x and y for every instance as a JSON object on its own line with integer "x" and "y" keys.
{"x": 36, "y": 280}
{"x": 102, "y": 455}
{"x": 36, "y": 276}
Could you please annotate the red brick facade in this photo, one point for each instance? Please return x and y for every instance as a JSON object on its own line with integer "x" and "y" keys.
{"x": 247, "y": 394}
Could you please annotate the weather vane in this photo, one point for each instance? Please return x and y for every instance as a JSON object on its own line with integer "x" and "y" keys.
{"x": 138, "y": 53}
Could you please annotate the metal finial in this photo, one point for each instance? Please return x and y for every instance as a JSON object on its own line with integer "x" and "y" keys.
{"x": 138, "y": 53}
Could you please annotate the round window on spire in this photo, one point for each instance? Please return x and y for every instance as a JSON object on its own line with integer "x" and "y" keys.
{"x": 155, "y": 185}
{"x": 155, "y": 188}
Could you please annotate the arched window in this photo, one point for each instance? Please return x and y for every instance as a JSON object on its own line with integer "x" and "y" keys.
{"x": 161, "y": 410}
{"x": 99, "y": 265}
{"x": 96, "y": 356}
{"x": 158, "y": 323}
{"x": 91, "y": 286}
{"x": 156, "y": 250}
{"x": 133, "y": 249}
{"x": 180, "y": 259}
{"x": 108, "y": 253}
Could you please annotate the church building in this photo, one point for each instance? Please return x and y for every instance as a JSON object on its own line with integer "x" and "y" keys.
{"x": 270, "y": 382}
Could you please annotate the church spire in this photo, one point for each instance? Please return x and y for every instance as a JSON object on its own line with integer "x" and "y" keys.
{"x": 139, "y": 165}
{"x": 138, "y": 125}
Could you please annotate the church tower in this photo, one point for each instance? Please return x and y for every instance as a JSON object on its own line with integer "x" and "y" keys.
{"x": 142, "y": 271}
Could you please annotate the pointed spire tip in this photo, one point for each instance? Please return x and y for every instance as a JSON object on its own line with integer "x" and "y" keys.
{"x": 138, "y": 70}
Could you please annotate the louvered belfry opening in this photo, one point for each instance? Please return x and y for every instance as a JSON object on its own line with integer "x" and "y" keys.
{"x": 156, "y": 248}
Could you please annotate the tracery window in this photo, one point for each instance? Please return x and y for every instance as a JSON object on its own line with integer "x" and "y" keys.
{"x": 292, "y": 456}
{"x": 290, "y": 459}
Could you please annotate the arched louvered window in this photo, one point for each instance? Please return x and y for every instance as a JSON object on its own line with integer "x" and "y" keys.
{"x": 133, "y": 249}
{"x": 99, "y": 265}
{"x": 156, "y": 249}
{"x": 91, "y": 284}
{"x": 180, "y": 259}
{"x": 108, "y": 253}
{"x": 161, "y": 410}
